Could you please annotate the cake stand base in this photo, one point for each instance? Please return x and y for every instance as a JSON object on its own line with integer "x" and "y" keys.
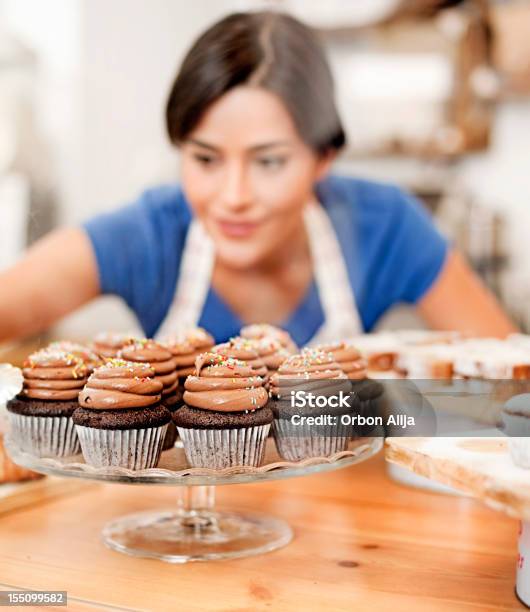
{"x": 193, "y": 529}
{"x": 196, "y": 532}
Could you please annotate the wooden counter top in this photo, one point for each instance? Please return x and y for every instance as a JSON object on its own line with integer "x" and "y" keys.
{"x": 361, "y": 543}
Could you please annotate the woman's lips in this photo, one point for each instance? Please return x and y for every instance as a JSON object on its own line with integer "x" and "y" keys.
{"x": 236, "y": 229}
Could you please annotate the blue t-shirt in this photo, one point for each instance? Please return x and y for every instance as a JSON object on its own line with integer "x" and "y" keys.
{"x": 392, "y": 250}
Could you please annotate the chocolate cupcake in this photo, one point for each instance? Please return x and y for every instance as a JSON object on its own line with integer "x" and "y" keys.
{"x": 121, "y": 421}
{"x": 109, "y": 344}
{"x": 184, "y": 355}
{"x": 244, "y": 350}
{"x": 160, "y": 358}
{"x": 348, "y": 358}
{"x": 91, "y": 359}
{"x": 271, "y": 352}
{"x": 185, "y": 347}
{"x": 199, "y": 338}
{"x": 259, "y": 331}
{"x": 307, "y": 431}
{"x": 40, "y": 416}
{"x": 365, "y": 391}
{"x": 224, "y": 421}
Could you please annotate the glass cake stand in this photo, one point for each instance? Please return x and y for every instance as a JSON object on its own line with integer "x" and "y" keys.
{"x": 194, "y": 530}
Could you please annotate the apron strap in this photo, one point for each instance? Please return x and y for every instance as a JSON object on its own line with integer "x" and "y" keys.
{"x": 193, "y": 282}
{"x": 341, "y": 317}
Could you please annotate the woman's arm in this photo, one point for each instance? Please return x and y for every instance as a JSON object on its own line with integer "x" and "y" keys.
{"x": 58, "y": 274}
{"x": 459, "y": 301}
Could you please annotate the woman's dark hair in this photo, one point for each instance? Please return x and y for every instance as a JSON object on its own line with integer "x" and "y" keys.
{"x": 265, "y": 49}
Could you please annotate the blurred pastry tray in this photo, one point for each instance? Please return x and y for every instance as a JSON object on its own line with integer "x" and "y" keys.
{"x": 173, "y": 467}
{"x": 20, "y": 494}
{"x": 481, "y": 467}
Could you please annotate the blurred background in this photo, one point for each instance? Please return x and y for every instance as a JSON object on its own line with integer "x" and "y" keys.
{"x": 435, "y": 96}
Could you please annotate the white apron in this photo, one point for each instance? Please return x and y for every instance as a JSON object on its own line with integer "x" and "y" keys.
{"x": 341, "y": 317}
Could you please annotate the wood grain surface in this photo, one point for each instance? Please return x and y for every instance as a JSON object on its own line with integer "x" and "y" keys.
{"x": 29, "y": 493}
{"x": 361, "y": 542}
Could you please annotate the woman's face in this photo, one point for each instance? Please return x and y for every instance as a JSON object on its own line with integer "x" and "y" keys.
{"x": 247, "y": 175}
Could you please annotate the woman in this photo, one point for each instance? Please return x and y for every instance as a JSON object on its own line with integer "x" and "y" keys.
{"x": 258, "y": 230}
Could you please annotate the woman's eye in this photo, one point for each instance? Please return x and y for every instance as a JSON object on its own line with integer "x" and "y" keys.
{"x": 271, "y": 162}
{"x": 204, "y": 159}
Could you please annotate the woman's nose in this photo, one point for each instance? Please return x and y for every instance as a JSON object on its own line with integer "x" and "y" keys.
{"x": 236, "y": 189}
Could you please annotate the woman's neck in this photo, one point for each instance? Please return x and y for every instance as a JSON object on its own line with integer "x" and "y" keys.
{"x": 294, "y": 250}
{"x": 270, "y": 290}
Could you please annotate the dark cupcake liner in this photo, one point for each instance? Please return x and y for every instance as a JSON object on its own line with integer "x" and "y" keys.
{"x": 221, "y": 448}
{"x": 171, "y": 436}
{"x": 50, "y": 436}
{"x": 135, "y": 449}
{"x": 298, "y": 442}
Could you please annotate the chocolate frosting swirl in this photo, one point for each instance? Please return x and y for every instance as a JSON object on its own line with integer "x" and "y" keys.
{"x": 224, "y": 384}
{"x": 258, "y": 331}
{"x": 271, "y": 351}
{"x": 158, "y": 357}
{"x": 51, "y": 374}
{"x": 244, "y": 350}
{"x": 348, "y": 358}
{"x": 121, "y": 384}
{"x": 311, "y": 370}
{"x": 108, "y": 344}
{"x": 186, "y": 346}
{"x": 89, "y": 357}
{"x": 198, "y": 337}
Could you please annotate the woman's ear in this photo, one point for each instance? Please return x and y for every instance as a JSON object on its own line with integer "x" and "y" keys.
{"x": 324, "y": 163}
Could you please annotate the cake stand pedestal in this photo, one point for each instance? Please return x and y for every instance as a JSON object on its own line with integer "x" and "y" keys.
{"x": 194, "y": 530}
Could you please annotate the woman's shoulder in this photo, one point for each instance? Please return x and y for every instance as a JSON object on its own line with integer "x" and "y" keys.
{"x": 381, "y": 217}
{"x": 138, "y": 248}
{"x": 361, "y": 197}
{"x": 391, "y": 245}
{"x": 167, "y": 200}
{"x": 163, "y": 206}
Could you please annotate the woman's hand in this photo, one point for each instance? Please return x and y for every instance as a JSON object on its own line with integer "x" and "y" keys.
{"x": 57, "y": 275}
{"x": 459, "y": 301}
